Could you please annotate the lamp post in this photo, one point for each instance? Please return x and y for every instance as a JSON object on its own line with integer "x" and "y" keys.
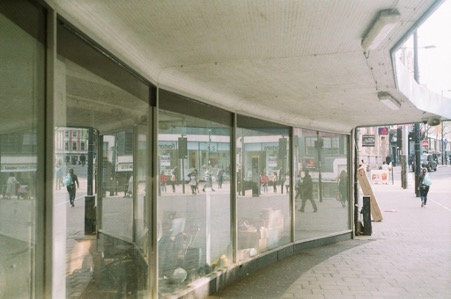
{"x": 416, "y": 76}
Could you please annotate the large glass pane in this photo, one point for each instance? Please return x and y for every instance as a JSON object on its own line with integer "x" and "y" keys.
{"x": 22, "y": 73}
{"x": 263, "y": 180}
{"x": 194, "y": 197}
{"x": 102, "y": 117}
{"x": 321, "y": 183}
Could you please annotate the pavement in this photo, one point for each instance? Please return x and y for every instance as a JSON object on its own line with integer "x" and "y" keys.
{"x": 408, "y": 254}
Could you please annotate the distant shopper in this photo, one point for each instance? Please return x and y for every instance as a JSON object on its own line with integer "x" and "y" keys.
{"x": 220, "y": 176}
{"x": 298, "y": 188}
{"x": 173, "y": 180}
{"x": 307, "y": 192}
{"x": 129, "y": 189}
{"x": 163, "y": 181}
{"x": 274, "y": 180}
{"x": 193, "y": 181}
{"x": 208, "y": 180}
{"x": 386, "y": 168}
{"x": 365, "y": 166}
{"x": 264, "y": 180}
{"x": 11, "y": 186}
{"x": 59, "y": 175}
{"x": 71, "y": 182}
{"x": 424, "y": 182}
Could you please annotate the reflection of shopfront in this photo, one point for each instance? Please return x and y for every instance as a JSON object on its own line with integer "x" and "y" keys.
{"x": 260, "y": 158}
{"x": 124, "y": 170}
{"x": 200, "y": 155}
{"x": 168, "y": 155}
{"x": 24, "y": 169}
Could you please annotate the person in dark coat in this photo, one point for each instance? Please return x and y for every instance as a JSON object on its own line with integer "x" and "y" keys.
{"x": 72, "y": 187}
{"x": 307, "y": 192}
{"x": 424, "y": 189}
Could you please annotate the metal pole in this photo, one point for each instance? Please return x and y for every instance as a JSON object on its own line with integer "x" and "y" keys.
{"x": 90, "y": 160}
{"x": 319, "y": 146}
{"x": 417, "y": 125}
{"x": 443, "y": 146}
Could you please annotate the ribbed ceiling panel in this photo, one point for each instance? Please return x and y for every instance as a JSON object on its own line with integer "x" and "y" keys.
{"x": 297, "y": 61}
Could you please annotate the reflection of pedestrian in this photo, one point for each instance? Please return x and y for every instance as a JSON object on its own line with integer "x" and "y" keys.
{"x": 173, "y": 180}
{"x": 363, "y": 165}
{"x": 307, "y": 194}
{"x": 72, "y": 186}
{"x": 274, "y": 181}
{"x": 385, "y": 168}
{"x": 11, "y": 185}
{"x": 287, "y": 181}
{"x": 220, "y": 177}
{"x": 298, "y": 188}
{"x": 264, "y": 180}
{"x": 422, "y": 187}
{"x": 59, "y": 175}
{"x": 208, "y": 180}
{"x": 163, "y": 181}
{"x": 281, "y": 180}
{"x": 130, "y": 187}
{"x": 343, "y": 187}
{"x": 193, "y": 181}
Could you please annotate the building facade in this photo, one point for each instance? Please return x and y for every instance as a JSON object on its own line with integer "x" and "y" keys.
{"x": 173, "y": 197}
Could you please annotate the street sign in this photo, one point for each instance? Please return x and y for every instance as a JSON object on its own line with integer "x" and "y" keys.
{"x": 368, "y": 141}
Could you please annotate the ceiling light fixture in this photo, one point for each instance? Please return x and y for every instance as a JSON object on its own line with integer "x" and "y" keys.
{"x": 384, "y": 24}
{"x": 389, "y": 101}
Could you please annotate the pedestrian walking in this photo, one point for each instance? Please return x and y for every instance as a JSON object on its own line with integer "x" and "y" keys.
{"x": 173, "y": 179}
{"x": 208, "y": 180}
{"x": 72, "y": 184}
{"x": 424, "y": 182}
{"x": 274, "y": 180}
{"x": 59, "y": 173}
{"x": 193, "y": 181}
{"x": 264, "y": 180}
{"x": 298, "y": 188}
{"x": 220, "y": 176}
{"x": 11, "y": 185}
{"x": 307, "y": 192}
{"x": 163, "y": 181}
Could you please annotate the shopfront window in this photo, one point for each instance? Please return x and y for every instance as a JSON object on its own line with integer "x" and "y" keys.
{"x": 194, "y": 154}
{"x": 321, "y": 183}
{"x": 22, "y": 82}
{"x": 263, "y": 186}
{"x": 103, "y": 246}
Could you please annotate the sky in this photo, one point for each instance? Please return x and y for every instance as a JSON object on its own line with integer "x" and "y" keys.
{"x": 434, "y": 64}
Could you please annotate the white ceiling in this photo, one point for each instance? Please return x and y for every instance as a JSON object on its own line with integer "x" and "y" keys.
{"x": 300, "y": 63}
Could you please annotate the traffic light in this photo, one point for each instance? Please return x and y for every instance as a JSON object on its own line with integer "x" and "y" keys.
{"x": 282, "y": 148}
{"x": 319, "y": 144}
{"x": 183, "y": 147}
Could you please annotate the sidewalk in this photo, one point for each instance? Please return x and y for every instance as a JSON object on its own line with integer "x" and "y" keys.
{"x": 408, "y": 255}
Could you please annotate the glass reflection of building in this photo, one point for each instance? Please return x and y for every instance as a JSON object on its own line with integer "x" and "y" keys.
{"x": 138, "y": 227}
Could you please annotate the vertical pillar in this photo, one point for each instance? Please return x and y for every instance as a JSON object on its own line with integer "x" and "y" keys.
{"x": 405, "y": 154}
{"x": 417, "y": 125}
{"x": 366, "y": 211}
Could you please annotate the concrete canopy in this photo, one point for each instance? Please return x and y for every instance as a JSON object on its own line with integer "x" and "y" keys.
{"x": 299, "y": 63}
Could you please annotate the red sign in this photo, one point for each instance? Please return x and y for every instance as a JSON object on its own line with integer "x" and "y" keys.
{"x": 383, "y": 130}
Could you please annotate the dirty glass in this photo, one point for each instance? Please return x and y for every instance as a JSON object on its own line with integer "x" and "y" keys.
{"x": 322, "y": 200}
{"x": 102, "y": 121}
{"x": 263, "y": 186}
{"x": 22, "y": 86}
{"x": 194, "y": 154}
